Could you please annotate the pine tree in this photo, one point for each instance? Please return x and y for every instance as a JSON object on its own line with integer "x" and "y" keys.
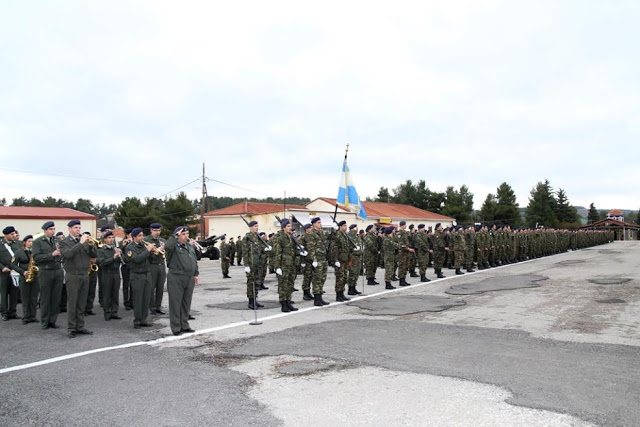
{"x": 458, "y": 204}
{"x": 542, "y": 206}
{"x": 507, "y": 210}
{"x": 565, "y": 213}
{"x": 593, "y": 215}
{"x": 489, "y": 208}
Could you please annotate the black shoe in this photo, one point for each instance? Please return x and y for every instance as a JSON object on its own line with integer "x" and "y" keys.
{"x": 440, "y": 275}
{"x": 5, "y": 318}
{"x": 53, "y": 326}
{"x": 160, "y": 312}
{"x": 25, "y": 321}
{"x": 388, "y": 285}
{"x": 89, "y": 313}
{"x": 291, "y": 307}
{"x": 470, "y": 270}
{"x": 107, "y": 318}
{"x": 375, "y": 282}
{"x": 296, "y": 290}
{"x": 341, "y": 298}
{"x": 263, "y": 288}
{"x": 285, "y": 307}
{"x": 188, "y": 330}
{"x": 226, "y": 276}
{"x": 45, "y": 327}
{"x": 307, "y": 296}
{"x": 371, "y": 282}
{"x": 177, "y": 333}
{"x": 403, "y": 282}
{"x": 63, "y": 309}
{"x": 413, "y": 274}
{"x": 191, "y": 317}
{"x": 316, "y": 300}
{"x": 115, "y": 316}
{"x": 84, "y": 331}
{"x": 352, "y": 291}
{"x": 423, "y": 278}
{"x": 71, "y": 334}
{"x": 459, "y": 272}
{"x": 253, "y": 304}
{"x": 394, "y": 278}
{"x": 136, "y": 326}
{"x": 128, "y": 307}
{"x": 146, "y": 324}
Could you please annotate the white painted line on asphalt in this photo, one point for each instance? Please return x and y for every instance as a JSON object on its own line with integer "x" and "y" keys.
{"x": 243, "y": 323}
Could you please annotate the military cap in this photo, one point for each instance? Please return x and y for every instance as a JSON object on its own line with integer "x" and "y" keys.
{"x": 458, "y": 228}
{"x": 284, "y": 223}
{"x": 8, "y": 229}
{"x": 252, "y": 223}
{"x": 73, "y": 222}
{"x": 261, "y": 233}
{"x": 270, "y": 235}
{"x": 388, "y": 230}
{"x": 315, "y": 219}
{"x": 352, "y": 226}
{"x": 421, "y": 226}
{"x": 403, "y": 223}
{"x": 179, "y": 229}
{"x": 224, "y": 237}
{"x": 137, "y": 231}
{"x": 107, "y": 234}
{"x": 87, "y": 233}
{"x": 341, "y": 223}
{"x": 369, "y": 227}
{"x": 27, "y": 237}
{"x": 438, "y": 225}
{"x": 411, "y": 226}
{"x": 128, "y": 230}
{"x": 307, "y": 226}
{"x": 103, "y": 228}
{"x": 361, "y": 231}
{"x": 59, "y": 233}
{"x": 48, "y": 224}
{"x": 155, "y": 226}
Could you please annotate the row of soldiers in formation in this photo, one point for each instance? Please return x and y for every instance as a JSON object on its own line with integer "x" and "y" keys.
{"x": 399, "y": 250}
{"x": 60, "y": 273}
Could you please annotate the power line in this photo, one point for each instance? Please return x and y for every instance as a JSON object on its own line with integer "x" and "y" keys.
{"x": 182, "y": 186}
{"x": 80, "y": 177}
{"x": 235, "y": 186}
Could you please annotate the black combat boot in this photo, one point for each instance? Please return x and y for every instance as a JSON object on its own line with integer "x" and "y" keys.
{"x": 353, "y": 291}
{"x": 296, "y": 290}
{"x": 423, "y": 278}
{"x": 341, "y": 298}
{"x": 458, "y": 271}
{"x": 375, "y": 282}
{"x": 413, "y": 273}
{"x": 317, "y": 300}
{"x": 291, "y": 307}
{"x": 371, "y": 282}
{"x": 388, "y": 285}
{"x": 226, "y": 276}
{"x": 470, "y": 270}
{"x": 252, "y": 304}
{"x": 263, "y": 287}
{"x": 307, "y": 295}
{"x": 403, "y": 282}
{"x": 285, "y": 307}
{"x": 440, "y": 275}
{"x": 394, "y": 278}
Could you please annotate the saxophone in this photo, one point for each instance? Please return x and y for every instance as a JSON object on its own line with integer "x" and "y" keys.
{"x": 32, "y": 269}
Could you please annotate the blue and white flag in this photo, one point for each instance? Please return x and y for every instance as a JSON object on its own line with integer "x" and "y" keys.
{"x": 347, "y": 194}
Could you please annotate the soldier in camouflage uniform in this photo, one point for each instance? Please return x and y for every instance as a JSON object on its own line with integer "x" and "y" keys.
{"x": 305, "y": 265}
{"x": 404, "y": 253}
{"x": 284, "y": 251}
{"x": 264, "y": 261}
{"x": 412, "y": 244}
{"x": 239, "y": 250}
{"x": 439, "y": 249}
{"x": 225, "y": 256}
{"x": 317, "y": 248}
{"x": 253, "y": 250}
{"x": 389, "y": 248}
{"x": 458, "y": 249}
{"x": 371, "y": 254}
{"x": 340, "y": 255}
{"x": 355, "y": 261}
{"x": 232, "y": 251}
{"x": 469, "y": 247}
{"x": 423, "y": 250}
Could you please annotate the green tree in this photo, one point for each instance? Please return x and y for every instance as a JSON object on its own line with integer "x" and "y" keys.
{"x": 458, "y": 204}
{"x": 565, "y": 213}
{"x": 507, "y": 210}
{"x": 383, "y": 195}
{"x": 593, "y": 215}
{"x": 3, "y": 202}
{"x": 133, "y": 213}
{"x": 177, "y": 211}
{"x": 489, "y": 208}
{"x": 85, "y": 205}
{"x": 19, "y": 201}
{"x": 542, "y": 206}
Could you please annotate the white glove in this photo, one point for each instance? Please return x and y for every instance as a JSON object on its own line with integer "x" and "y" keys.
{"x": 303, "y": 265}
{"x": 314, "y": 264}
{"x": 304, "y": 253}
{"x": 278, "y": 272}
{"x": 356, "y": 249}
{"x": 335, "y": 226}
{"x": 247, "y": 269}
{"x": 337, "y": 264}
{"x": 267, "y": 249}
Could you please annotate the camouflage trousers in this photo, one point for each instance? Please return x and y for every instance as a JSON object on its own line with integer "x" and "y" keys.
{"x": 423, "y": 262}
{"x": 225, "y": 266}
{"x": 319, "y": 276}
{"x": 285, "y": 282}
{"x": 468, "y": 257}
{"x": 354, "y": 270}
{"x": 263, "y": 272}
{"x": 458, "y": 259}
{"x": 370, "y": 266}
{"x": 253, "y": 278}
{"x": 307, "y": 272}
{"x": 404, "y": 263}
{"x": 438, "y": 259}
{"x": 341, "y": 276}
{"x": 389, "y": 267}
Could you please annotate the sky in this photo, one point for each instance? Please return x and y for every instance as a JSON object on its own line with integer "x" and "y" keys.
{"x": 107, "y": 100}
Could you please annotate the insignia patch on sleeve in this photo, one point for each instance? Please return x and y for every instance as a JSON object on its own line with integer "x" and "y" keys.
{"x": 129, "y": 254}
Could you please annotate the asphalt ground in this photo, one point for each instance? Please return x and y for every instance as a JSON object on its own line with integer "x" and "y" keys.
{"x": 552, "y": 341}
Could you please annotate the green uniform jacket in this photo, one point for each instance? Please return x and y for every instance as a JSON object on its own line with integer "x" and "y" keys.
{"x": 106, "y": 261}
{"x": 137, "y": 256}
{"x": 181, "y": 258}
{"x": 252, "y": 250}
{"x": 284, "y": 251}
{"x": 6, "y": 259}
{"x": 76, "y": 255}
{"x": 42, "y": 249}
{"x": 317, "y": 245}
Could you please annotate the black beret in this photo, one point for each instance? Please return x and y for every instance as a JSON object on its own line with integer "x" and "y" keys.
{"x": 104, "y": 228}
{"x": 411, "y": 226}
{"x": 8, "y": 229}
{"x": 87, "y": 233}
{"x": 352, "y": 226}
{"x": 73, "y": 222}
{"x": 369, "y": 227}
{"x": 180, "y": 229}
{"x": 224, "y": 237}
{"x": 107, "y": 234}
{"x": 252, "y": 223}
{"x": 155, "y": 226}
{"x": 136, "y": 231}
{"x": 59, "y": 233}
{"x": 361, "y": 231}
{"x": 438, "y": 225}
{"x": 270, "y": 235}
{"x": 27, "y": 237}
{"x": 307, "y": 226}
{"x": 388, "y": 230}
{"x": 315, "y": 219}
{"x": 420, "y": 226}
{"x": 48, "y": 224}
{"x": 284, "y": 223}
{"x": 403, "y": 223}
{"x": 341, "y": 223}
{"x": 261, "y": 233}
{"x": 128, "y": 230}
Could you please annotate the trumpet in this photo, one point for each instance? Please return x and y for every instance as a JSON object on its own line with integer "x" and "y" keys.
{"x": 155, "y": 249}
{"x": 93, "y": 267}
{"x": 32, "y": 269}
{"x": 93, "y": 242}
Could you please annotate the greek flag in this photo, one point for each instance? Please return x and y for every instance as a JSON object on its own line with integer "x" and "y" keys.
{"x": 347, "y": 194}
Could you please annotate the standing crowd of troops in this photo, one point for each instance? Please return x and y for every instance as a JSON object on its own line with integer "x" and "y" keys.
{"x": 400, "y": 251}
{"x": 60, "y": 273}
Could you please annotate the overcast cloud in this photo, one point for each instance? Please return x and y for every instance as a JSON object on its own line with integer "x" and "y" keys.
{"x": 132, "y": 97}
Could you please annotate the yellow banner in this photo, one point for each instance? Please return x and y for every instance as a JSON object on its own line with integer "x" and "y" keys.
{"x": 385, "y": 220}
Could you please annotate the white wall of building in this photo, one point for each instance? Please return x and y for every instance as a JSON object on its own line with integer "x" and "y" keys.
{"x": 34, "y": 226}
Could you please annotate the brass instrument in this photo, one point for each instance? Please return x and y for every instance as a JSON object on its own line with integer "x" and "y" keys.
{"x": 32, "y": 269}
{"x": 93, "y": 242}
{"x": 93, "y": 267}
{"x": 155, "y": 249}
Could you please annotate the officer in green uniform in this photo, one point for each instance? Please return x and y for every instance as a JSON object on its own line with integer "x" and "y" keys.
{"x": 93, "y": 283}
{"x": 77, "y": 253}
{"x": 137, "y": 256}
{"x": 125, "y": 270}
{"x": 10, "y": 273}
{"x": 340, "y": 255}
{"x": 317, "y": 248}
{"x": 305, "y": 265}
{"x": 404, "y": 253}
{"x": 50, "y": 275}
{"x": 253, "y": 252}
{"x": 284, "y": 251}
{"x": 225, "y": 257}
{"x": 182, "y": 278}
{"x": 29, "y": 290}
{"x": 413, "y": 263}
{"x": 157, "y": 268}
{"x": 389, "y": 249}
{"x": 266, "y": 258}
{"x": 469, "y": 247}
{"x": 109, "y": 260}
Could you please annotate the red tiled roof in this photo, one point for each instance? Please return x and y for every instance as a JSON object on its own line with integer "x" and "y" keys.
{"x": 252, "y": 208}
{"x": 615, "y": 212}
{"x": 393, "y": 210}
{"x": 34, "y": 212}
{"x": 611, "y": 221}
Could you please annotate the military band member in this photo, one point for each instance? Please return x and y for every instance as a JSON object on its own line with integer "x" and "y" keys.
{"x": 48, "y": 258}
{"x": 253, "y": 251}
{"x": 93, "y": 283}
{"x": 157, "y": 269}
{"x": 29, "y": 290}
{"x": 284, "y": 251}
{"x": 138, "y": 256}
{"x": 9, "y": 274}
{"x": 77, "y": 254}
{"x": 182, "y": 278}
{"x": 103, "y": 230}
{"x": 317, "y": 248}
{"x": 109, "y": 260}
{"x": 225, "y": 257}
{"x": 63, "y": 294}
{"x": 127, "y": 299}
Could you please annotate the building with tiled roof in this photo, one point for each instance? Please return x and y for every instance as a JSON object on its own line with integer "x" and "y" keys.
{"x": 29, "y": 219}
{"x": 616, "y": 214}
{"x": 623, "y": 230}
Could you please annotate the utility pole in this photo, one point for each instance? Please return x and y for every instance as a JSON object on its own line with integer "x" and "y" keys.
{"x": 202, "y": 205}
